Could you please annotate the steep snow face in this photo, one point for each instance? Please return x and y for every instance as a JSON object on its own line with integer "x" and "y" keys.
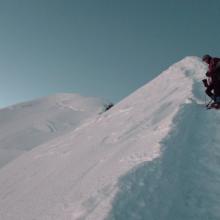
{"x": 27, "y": 125}
{"x": 78, "y": 175}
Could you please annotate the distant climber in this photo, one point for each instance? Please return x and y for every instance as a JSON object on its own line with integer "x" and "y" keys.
{"x": 212, "y": 82}
{"x": 108, "y": 106}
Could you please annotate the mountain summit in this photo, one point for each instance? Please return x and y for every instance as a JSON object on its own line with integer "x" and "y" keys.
{"x": 152, "y": 156}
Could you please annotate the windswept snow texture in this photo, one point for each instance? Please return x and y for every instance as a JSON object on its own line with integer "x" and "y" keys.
{"x": 27, "y": 125}
{"x": 153, "y": 156}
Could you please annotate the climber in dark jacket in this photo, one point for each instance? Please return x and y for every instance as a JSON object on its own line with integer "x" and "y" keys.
{"x": 212, "y": 83}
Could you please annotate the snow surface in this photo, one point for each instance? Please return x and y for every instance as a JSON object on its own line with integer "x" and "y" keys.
{"x": 27, "y": 125}
{"x": 154, "y": 156}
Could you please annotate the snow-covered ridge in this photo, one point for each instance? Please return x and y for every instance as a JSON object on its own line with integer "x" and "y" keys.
{"x": 76, "y": 176}
{"x": 29, "y": 124}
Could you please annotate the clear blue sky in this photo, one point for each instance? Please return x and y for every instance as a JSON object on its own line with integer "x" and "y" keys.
{"x": 104, "y": 48}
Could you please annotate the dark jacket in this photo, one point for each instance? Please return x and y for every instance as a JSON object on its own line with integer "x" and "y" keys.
{"x": 213, "y": 66}
{"x": 214, "y": 73}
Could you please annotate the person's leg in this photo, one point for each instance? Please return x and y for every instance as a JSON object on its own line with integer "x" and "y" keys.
{"x": 209, "y": 92}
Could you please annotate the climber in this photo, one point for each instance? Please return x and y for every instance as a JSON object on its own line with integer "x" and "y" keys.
{"x": 212, "y": 83}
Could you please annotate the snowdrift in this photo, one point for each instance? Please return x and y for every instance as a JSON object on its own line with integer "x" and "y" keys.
{"x": 155, "y": 155}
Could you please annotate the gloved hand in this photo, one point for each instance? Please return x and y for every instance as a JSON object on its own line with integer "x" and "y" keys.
{"x": 205, "y": 83}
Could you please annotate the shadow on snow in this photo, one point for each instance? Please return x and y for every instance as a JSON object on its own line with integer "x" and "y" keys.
{"x": 184, "y": 183}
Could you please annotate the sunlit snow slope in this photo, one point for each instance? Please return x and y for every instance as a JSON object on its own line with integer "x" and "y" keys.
{"x": 27, "y": 125}
{"x": 153, "y": 156}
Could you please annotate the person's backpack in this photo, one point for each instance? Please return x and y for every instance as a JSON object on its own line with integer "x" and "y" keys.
{"x": 217, "y": 71}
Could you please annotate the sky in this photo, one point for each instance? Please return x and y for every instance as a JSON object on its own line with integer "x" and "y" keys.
{"x": 102, "y": 48}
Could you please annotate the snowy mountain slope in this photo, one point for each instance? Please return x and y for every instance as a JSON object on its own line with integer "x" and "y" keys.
{"x": 27, "y": 125}
{"x": 183, "y": 183}
{"x": 146, "y": 138}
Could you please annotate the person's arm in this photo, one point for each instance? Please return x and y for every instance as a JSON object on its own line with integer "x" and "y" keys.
{"x": 212, "y": 66}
